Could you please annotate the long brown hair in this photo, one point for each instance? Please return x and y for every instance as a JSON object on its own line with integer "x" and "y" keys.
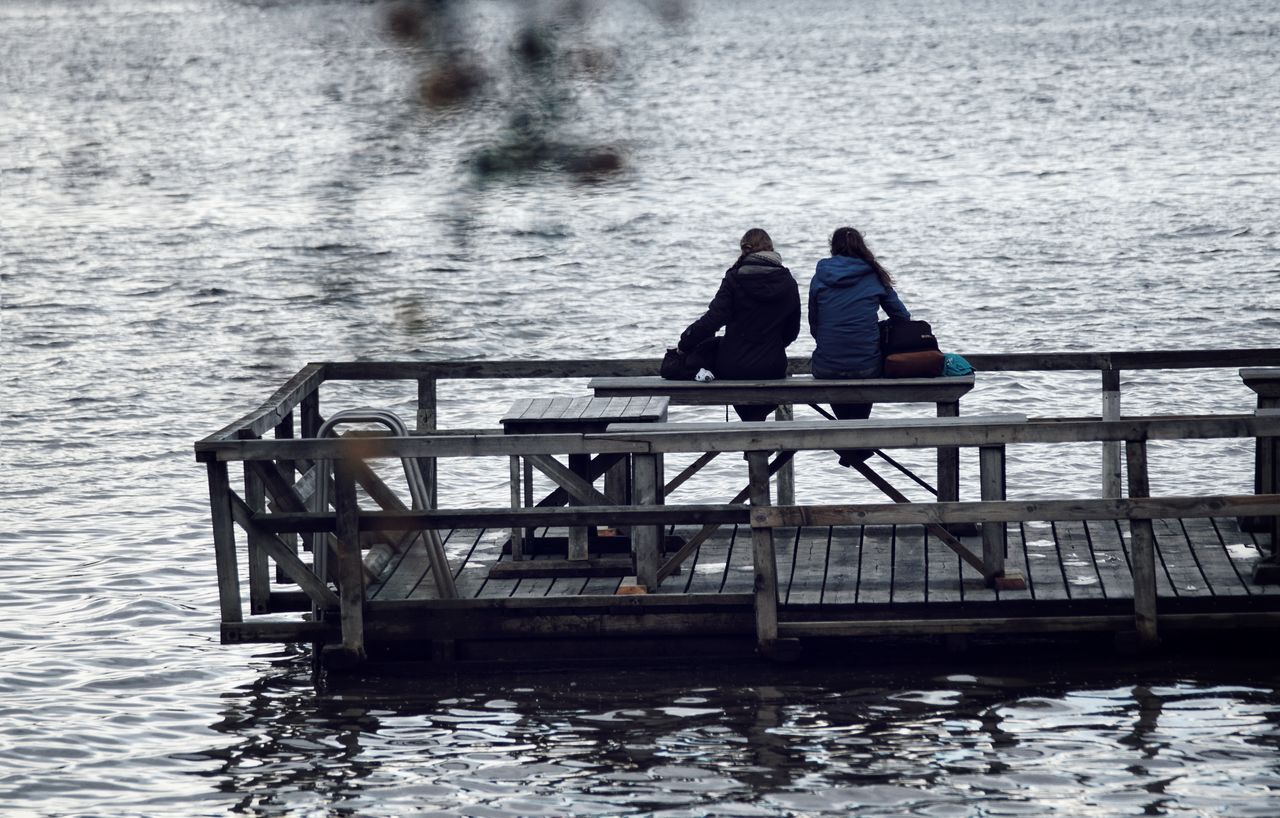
{"x": 755, "y": 240}
{"x": 849, "y": 242}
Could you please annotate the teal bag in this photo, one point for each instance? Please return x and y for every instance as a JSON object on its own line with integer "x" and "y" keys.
{"x": 953, "y": 364}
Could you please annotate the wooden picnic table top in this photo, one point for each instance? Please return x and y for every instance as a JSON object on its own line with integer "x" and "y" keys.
{"x": 795, "y": 389}
{"x": 586, "y": 413}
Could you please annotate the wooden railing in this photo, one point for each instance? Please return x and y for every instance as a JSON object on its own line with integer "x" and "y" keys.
{"x": 271, "y": 466}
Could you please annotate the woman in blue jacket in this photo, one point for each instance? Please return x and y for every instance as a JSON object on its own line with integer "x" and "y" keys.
{"x": 845, "y": 297}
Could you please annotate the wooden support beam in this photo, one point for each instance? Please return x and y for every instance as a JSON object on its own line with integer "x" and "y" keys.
{"x": 787, "y": 475}
{"x": 288, "y": 560}
{"x": 1142, "y": 546}
{"x": 693, "y": 543}
{"x": 948, "y": 458}
{"x": 224, "y": 542}
{"x": 259, "y": 569}
{"x": 764, "y": 559}
{"x": 688, "y": 471}
{"x": 428, "y": 421}
{"x": 936, "y": 529}
{"x": 587, "y": 567}
{"x": 1111, "y": 448}
{"x": 991, "y": 464}
{"x": 646, "y": 540}
{"x": 351, "y": 579}
{"x": 1152, "y": 508}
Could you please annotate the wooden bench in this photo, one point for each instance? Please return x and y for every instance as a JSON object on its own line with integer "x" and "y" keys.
{"x": 944, "y": 392}
{"x": 759, "y": 439}
{"x": 582, "y": 415}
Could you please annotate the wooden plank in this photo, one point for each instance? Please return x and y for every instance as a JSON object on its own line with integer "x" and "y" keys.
{"x": 1142, "y": 546}
{"x": 844, "y": 553}
{"x": 992, "y": 480}
{"x": 944, "y": 581}
{"x": 977, "y": 589}
{"x": 875, "y": 575}
{"x": 763, "y": 554}
{"x": 808, "y": 566}
{"x": 255, "y": 497}
{"x": 1111, "y": 557}
{"x": 797, "y": 389}
{"x": 1044, "y": 562}
{"x": 631, "y": 367}
{"x": 475, "y": 550}
{"x": 284, "y": 556}
{"x": 739, "y": 573}
{"x": 557, "y": 568}
{"x": 1078, "y": 561}
{"x": 646, "y": 540}
{"x": 795, "y": 436}
{"x": 350, "y": 567}
{"x": 403, "y": 575}
{"x": 224, "y": 543}
{"x": 1178, "y": 561}
{"x": 1241, "y": 549}
{"x": 1015, "y": 510}
{"x": 910, "y": 569}
{"x": 273, "y": 411}
{"x": 707, "y": 570}
{"x": 1222, "y": 575}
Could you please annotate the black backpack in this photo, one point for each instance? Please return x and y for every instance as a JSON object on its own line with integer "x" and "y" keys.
{"x": 909, "y": 349}
{"x": 683, "y": 366}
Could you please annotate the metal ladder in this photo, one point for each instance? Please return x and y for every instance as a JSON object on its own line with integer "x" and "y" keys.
{"x": 418, "y": 489}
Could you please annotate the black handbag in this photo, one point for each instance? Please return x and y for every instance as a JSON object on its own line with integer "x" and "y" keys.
{"x": 909, "y": 349}
{"x": 683, "y": 366}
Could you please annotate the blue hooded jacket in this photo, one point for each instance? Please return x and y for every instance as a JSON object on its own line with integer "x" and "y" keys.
{"x": 844, "y": 300}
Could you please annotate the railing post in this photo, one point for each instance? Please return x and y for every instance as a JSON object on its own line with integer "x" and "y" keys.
{"x": 224, "y": 542}
{"x": 991, "y": 465}
{"x": 255, "y": 497}
{"x": 1142, "y": 539}
{"x": 517, "y": 533}
{"x": 1266, "y": 383}
{"x": 1267, "y": 569}
{"x": 646, "y": 540}
{"x": 350, "y": 563}
{"x": 1111, "y": 448}
{"x": 428, "y": 421}
{"x": 766, "y": 568}
{"x": 787, "y": 474}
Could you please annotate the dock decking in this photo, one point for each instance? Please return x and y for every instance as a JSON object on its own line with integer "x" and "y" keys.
{"x": 350, "y": 571}
{"x": 1083, "y": 563}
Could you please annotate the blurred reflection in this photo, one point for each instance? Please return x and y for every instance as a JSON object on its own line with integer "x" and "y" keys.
{"x": 544, "y": 58}
{"x": 516, "y": 741}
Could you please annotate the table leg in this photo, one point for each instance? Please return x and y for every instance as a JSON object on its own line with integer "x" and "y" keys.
{"x": 579, "y": 464}
{"x": 948, "y": 459}
{"x": 517, "y": 533}
{"x": 646, "y": 540}
{"x": 787, "y": 475}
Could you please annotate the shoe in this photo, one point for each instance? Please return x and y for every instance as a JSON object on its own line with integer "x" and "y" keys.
{"x": 854, "y": 456}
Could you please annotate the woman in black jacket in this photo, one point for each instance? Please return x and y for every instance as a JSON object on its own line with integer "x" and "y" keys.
{"x": 758, "y": 304}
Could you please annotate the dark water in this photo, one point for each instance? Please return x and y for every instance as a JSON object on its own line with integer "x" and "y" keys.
{"x": 199, "y": 196}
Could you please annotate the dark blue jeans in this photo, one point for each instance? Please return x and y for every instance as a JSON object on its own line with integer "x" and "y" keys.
{"x": 851, "y": 411}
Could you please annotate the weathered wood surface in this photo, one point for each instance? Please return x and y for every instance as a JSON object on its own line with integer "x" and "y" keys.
{"x": 303, "y": 386}
{"x": 908, "y": 433}
{"x": 796, "y": 389}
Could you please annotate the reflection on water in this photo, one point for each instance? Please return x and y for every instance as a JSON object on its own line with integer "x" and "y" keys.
{"x": 776, "y": 741}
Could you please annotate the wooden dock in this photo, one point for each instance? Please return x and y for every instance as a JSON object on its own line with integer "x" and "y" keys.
{"x": 733, "y": 578}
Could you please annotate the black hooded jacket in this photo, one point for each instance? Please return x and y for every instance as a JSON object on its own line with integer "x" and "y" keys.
{"x": 758, "y": 304}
